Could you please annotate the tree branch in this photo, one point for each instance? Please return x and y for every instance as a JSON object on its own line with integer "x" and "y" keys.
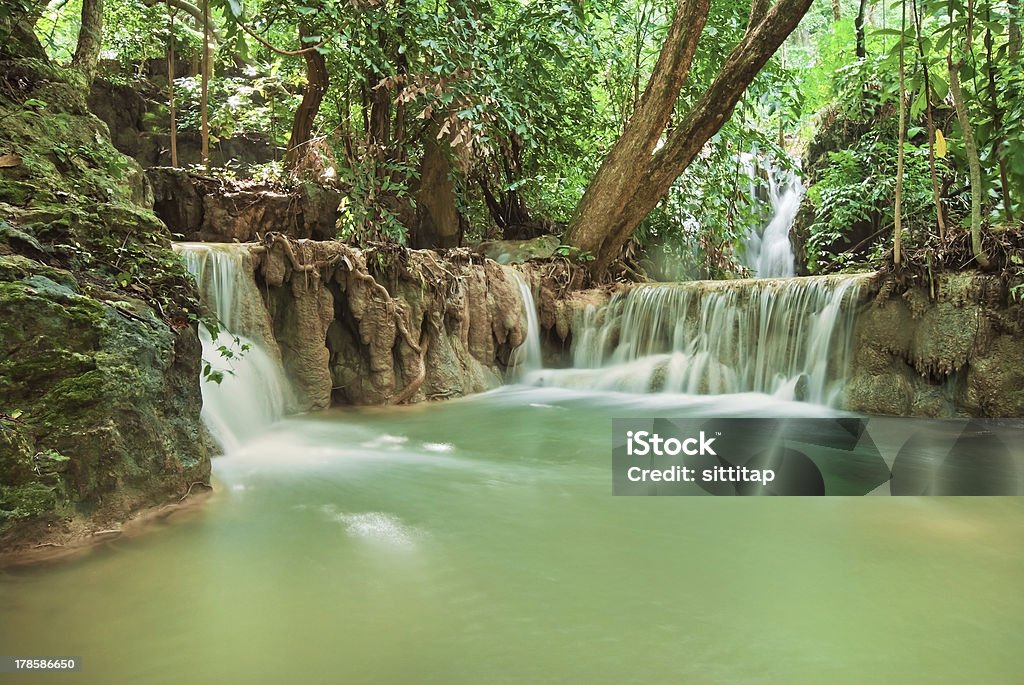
{"x": 267, "y": 44}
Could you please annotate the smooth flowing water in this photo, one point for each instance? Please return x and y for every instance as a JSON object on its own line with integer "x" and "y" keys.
{"x": 528, "y": 356}
{"x": 252, "y": 392}
{"x": 476, "y": 541}
{"x": 787, "y": 337}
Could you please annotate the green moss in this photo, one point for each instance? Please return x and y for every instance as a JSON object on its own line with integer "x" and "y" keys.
{"x": 27, "y": 501}
{"x": 98, "y": 369}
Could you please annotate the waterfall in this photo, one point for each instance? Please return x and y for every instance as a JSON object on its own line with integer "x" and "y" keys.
{"x": 527, "y": 357}
{"x": 253, "y": 392}
{"x": 768, "y": 252}
{"x": 786, "y": 337}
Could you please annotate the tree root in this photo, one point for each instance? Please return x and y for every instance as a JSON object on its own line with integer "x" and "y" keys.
{"x": 421, "y": 373}
{"x": 192, "y": 485}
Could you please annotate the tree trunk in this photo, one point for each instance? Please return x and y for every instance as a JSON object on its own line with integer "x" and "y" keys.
{"x": 17, "y": 34}
{"x": 973, "y": 161}
{"x": 204, "y": 99}
{"x": 1014, "y": 30}
{"x": 836, "y": 11}
{"x": 90, "y": 37}
{"x": 317, "y": 82}
{"x": 897, "y": 240}
{"x": 633, "y": 178}
{"x": 858, "y": 25}
{"x": 996, "y": 113}
{"x": 437, "y": 218}
{"x": 930, "y": 119}
{"x": 171, "y": 105}
{"x": 619, "y": 178}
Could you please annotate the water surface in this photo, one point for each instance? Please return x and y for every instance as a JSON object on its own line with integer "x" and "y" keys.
{"x": 477, "y": 541}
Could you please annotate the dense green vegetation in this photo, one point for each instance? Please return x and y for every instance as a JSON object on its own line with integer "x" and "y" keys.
{"x": 449, "y": 121}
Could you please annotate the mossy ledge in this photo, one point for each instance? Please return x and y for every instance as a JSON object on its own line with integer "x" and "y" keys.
{"x": 99, "y": 356}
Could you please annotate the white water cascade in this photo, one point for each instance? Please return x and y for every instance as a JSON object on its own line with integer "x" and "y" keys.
{"x": 253, "y": 392}
{"x": 528, "y": 357}
{"x": 768, "y": 252}
{"x": 787, "y": 337}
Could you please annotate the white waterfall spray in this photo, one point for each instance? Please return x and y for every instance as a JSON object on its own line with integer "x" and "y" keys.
{"x": 786, "y": 337}
{"x": 253, "y": 392}
{"x": 528, "y": 357}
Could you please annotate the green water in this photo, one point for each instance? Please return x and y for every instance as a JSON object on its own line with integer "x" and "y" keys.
{"x": 477, "y": 541}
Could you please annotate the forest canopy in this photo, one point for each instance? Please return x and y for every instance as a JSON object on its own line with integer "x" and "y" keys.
{"x": 642, "y": 133}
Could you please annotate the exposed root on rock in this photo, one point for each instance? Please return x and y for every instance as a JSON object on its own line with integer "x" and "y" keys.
{"x": 403, "y": 325}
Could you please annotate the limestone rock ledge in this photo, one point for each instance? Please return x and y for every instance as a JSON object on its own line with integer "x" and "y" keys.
{"x": 954, "y": 347}
{"x": 388, "y": 325}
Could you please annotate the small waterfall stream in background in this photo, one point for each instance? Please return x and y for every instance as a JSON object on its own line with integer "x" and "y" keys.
{"x": 253, "y": 391}
{"x": 768, "y": 252}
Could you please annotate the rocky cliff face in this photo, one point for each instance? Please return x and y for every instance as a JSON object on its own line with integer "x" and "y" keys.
{"x": 139, "y": 122}
{"x": 99, "y": 404}
{"x": 215, "y": 210}
{"x": 388, "y": 325}
{"x": 953, "y": 347}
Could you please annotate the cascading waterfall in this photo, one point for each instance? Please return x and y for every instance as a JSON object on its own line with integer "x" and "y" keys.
{"x": 789, "y": 338}
{"x": 253, "y": 392}
{"x": 768, "y": 252}
{"x": 528, "y": 357}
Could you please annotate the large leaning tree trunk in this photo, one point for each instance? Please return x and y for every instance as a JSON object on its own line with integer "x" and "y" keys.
{"x": 633, "y": 177}
{"x": 90, "y": 37}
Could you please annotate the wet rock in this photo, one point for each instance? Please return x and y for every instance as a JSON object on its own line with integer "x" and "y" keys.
{"x": 99, "y": 357}
{"x": 519, "y": 251}
{"x": 212, "y": 210}
{"x": 957, "y": 354}
{"x": 413, "y": 326}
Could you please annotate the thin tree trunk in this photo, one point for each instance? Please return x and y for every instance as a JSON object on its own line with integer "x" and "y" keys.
{"x": 317, "y": 82}
{"x": 1014, "y": 29}
{"x": 997, "y": 119}
{"x": 897, "y": 241}
{"x": 633, "y": 179}
{"x": 170, "y": 88}
{"x": 205, "y": 88}
{"x": 836, "y": 11}
{"x": 973, "y": 161}
{"x": 858, "y": 25}
{"x": 929, "y": 117}
{"x": 90, "y": 38}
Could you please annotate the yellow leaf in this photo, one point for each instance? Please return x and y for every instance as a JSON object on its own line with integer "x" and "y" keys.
{"x": 940, "y": 144}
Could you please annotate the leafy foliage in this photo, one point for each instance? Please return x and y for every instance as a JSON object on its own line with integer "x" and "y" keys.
{"x": 527, "y": 98}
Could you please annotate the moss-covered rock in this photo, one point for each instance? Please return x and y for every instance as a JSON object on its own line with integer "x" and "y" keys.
{"x": 952, "y": 347}
{"x": 99, "y": 357}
